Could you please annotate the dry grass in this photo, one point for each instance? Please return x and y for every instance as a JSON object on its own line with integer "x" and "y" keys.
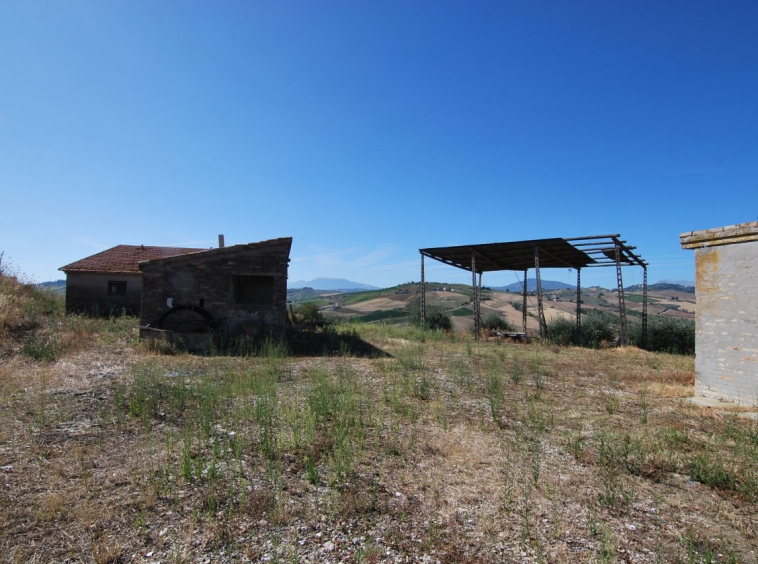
{"x": 22, "y": 307}
{"x": 449, "y": 451}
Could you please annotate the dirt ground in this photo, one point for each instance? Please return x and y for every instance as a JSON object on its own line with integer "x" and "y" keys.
{"x": 445, "y": 450}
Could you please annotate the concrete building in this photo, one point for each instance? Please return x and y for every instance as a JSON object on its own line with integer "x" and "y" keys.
{"x": 726, "y": 285}
{"x": 236, "y": 292}
{"x": 111, "y": 281}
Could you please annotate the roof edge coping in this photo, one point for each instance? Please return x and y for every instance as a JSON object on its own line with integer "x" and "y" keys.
{"x": 727, "y": 235}
{"x": 222, "y": 250}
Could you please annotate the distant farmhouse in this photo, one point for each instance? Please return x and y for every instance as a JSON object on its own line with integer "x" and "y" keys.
{"x": 235, "y": 291}
{"x": 111, "y": 281}
{"x": 726, "y": 286}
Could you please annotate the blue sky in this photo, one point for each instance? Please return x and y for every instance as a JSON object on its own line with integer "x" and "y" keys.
{"x": 368, "y": 130}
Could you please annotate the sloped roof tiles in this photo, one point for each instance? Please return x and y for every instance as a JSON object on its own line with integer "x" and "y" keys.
{"x": 125, "y": 259}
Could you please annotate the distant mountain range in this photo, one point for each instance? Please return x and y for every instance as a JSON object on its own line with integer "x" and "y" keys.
{"x": 531, "y": 286}
{"x": 329, "y": 284}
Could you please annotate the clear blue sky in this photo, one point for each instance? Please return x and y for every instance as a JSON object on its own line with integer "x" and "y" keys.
{"x": 368, "y": 130}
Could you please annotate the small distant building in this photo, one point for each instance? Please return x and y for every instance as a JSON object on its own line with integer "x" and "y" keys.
{"x": 726, "y": 288}
{"x": 110, "y": 281}
{"x": 234, "y": 292}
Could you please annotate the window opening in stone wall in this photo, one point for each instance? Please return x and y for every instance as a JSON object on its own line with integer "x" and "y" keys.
{"x": 253, "y": 290}
{"x": 116, "y": 288}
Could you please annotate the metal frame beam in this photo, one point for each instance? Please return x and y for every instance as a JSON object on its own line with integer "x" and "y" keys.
{"x": 578, "y": 306}
{"x": 544, "y": 252}
{"x": 479, "y": 300}
{"x": 628, "y": 251}
{"x": 474, "y": 295}
{"x": 523, "y": 305}
{"x": 489, "y": 260}
{"x": 623, "y": 338}
{"x": 423, "y": 294}
{"x": 644, "y": 307}
{"x": 540, "y": 305}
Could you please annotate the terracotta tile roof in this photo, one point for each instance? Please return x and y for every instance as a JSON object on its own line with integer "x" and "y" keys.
{"x": 124, "y": 258}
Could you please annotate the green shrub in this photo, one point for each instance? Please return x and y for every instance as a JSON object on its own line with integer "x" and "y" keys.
{"x": 561, "y": 331}
{"x": 436, "y": 316}
{"x": 665, "y": 334}
{"x": 440, "y": 320}
{"x": 598, "y": 327}
{"x": 495, "y": 322}
{"x": 671, "y": 335}
{"x": 308, "y": 313}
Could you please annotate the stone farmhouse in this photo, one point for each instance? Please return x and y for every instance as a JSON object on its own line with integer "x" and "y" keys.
{"x": 236, "y": 293}
{"x": 183, "y": 295}
{"x": 111, "y": 282}
{"x": 726, "y": 334}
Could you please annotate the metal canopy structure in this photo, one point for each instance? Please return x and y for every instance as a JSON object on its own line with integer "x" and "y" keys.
{"x": 516, "y": 255}
{"x": 575, "y": 252}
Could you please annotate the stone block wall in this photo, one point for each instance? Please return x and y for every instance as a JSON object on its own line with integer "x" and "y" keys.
{"x": 206, "y": 280}
{"x": 726, "y": 347}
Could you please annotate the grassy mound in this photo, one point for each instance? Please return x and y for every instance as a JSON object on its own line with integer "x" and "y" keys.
{"x": 26, "y": 312}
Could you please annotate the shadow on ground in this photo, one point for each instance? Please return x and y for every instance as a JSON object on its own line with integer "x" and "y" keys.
{"x": 298, "y": 342}
{"x": 330, "y": 343}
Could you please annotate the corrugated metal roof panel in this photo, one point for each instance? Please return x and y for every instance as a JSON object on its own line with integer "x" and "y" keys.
{"x": 514, "y": 255}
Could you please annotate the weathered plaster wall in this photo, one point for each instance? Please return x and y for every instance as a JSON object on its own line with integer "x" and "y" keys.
{"x": 88, "y": 292}
{"x": 206, "y": 278}
{"x": 727, "y": 322}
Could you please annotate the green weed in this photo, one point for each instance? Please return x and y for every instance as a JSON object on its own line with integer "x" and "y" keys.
{"x": 495, "y": 394}
{"x": 42, "y": 347}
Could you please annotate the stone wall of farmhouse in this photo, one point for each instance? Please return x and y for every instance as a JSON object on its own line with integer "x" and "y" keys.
{"x": 727, "y": 322}
{"x": 207, "y": 280}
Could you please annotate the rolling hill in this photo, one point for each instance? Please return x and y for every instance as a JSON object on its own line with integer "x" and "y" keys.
{"x": 332, "y": 284}
{"x": 531, "y": 286}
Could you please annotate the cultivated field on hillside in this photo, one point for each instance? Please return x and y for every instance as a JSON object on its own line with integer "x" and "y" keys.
{"x": 397, "y": 305}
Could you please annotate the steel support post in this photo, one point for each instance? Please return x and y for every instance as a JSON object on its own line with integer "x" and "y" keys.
{"x": 579, "y": 306}
{"x": 479, "y": 299}
{"x": 540, "y": 306}
{"x": 523, "y": 303}
{"x": 423, "y": 294}
{"x": 474, "y": 297}
{"x": 623, "y": 338}
{"x": 644, "y": 307}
